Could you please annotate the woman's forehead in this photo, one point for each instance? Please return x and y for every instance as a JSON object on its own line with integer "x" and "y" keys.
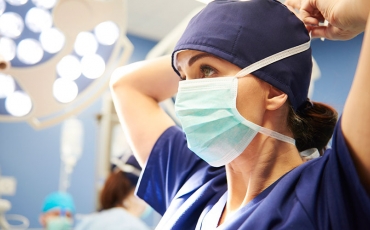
{"x": 189, "y": 57}
{"x": 186, "y": 54}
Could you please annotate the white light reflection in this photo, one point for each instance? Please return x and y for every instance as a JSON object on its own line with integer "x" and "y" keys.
{"x": 38, "y": 19}
{"x": 46, "y": 4}
{"x": 106, "y": 33}
{"x": 93, "y": 66}
{"x": 65, "y": 90}
{"x": 52, "y": 40}
{"x": 29, "y": 51}
{"x": 11, "y": 25}
{"x": 17, "y": 2}
{"x": 7, "y": 48}
{"x": 18, "y": 104}
{"x": 7, "y": 85}
{"x": 2, "y": 7}
{"x": 69, "y": 67}
{"x": 85, "y": 44}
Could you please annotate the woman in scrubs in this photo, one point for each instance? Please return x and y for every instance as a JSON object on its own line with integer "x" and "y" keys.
{"x": 246, "y": 120}
{"x": 120, "y": 208}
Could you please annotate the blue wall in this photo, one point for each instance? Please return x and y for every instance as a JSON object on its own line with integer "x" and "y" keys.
{"x": 337, "y": 61}
{"x": 33, "y": 156}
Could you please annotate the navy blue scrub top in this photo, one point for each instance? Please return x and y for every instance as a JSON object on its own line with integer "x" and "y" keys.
{"x": 324, "y": 193}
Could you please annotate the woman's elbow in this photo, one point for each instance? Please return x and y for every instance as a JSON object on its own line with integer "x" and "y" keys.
{"x": 126, "y": 75}
{"x": 117, "y": 79}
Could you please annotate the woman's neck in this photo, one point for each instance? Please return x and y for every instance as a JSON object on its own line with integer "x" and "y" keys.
{"x": 263, "y": 162}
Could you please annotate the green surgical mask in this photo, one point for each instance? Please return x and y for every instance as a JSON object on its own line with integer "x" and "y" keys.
{"x": 214, "y": 128}
{"x": 59, "y": 223}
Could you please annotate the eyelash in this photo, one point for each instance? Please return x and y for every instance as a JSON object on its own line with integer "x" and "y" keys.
{"x": 202, "y": 68}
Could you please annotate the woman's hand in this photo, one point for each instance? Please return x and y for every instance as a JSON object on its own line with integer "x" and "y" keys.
{"x": 346, "y": 18}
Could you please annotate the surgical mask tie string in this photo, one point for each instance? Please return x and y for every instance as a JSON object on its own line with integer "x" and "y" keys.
{"x": 273, "y": 58}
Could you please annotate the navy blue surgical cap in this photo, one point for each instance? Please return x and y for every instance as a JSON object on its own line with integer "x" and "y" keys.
{"x": 244, "y": 32}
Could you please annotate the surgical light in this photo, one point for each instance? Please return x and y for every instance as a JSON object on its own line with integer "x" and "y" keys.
{"x": 106, "y": 33}
{"x": 93, "y": 66}
{"x": 52, "y": 40}
{"x": 7, "y": 48}
{"x": 18, "y": 104}
{"x": 38, "y": 20}
{"x": 65, "y": 90}
{"x": 17, "y": 2}
{"x": 45, "y": 4}
{"x": 69, "y": 67}
{"x": 61, "y": 54}
{"x": 11, "y": 25}
{"x": 2, "y": 7}
{"x": 85, "y": 44}
{"x": 29, "y": 51}
{"x": 7, "y": 85}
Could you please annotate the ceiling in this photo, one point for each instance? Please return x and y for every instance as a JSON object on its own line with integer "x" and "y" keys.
{"x": 154, "y": 19}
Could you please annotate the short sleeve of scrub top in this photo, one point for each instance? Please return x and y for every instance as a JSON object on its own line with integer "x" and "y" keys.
{"x": 324, "y": 193}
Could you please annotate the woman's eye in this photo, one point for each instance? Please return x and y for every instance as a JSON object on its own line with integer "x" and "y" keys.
{"x": 207, "y": 71}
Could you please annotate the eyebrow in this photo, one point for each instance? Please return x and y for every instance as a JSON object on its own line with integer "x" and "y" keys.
{"x": 195, "y": 58}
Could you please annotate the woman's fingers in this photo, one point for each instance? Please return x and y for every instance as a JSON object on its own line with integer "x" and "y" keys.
{"x": 331, "y": 32}
{"x": 311, "y": 21}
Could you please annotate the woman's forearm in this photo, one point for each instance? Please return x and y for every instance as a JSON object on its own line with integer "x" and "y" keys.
{"x": 154, "y": 78}
{"x": 136, "y": 90}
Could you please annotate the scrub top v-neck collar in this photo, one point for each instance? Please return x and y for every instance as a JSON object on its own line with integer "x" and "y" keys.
{"x": 212, "y": 218}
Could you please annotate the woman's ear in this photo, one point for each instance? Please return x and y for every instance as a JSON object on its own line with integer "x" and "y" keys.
{"x": 275, "y": 99}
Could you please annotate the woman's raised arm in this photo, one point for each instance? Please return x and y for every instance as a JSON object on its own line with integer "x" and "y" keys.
{"x": 136, "y": 90}
{"x": 356, "y": 114}
{"x": 347, "y": 18}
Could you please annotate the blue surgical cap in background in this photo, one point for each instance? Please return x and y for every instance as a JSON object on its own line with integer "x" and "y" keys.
{"x": 61, "y": 200}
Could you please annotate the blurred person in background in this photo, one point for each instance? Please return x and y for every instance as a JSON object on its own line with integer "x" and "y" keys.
{"x": 120, "y": 207}
{"x": 57, "y": 211}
